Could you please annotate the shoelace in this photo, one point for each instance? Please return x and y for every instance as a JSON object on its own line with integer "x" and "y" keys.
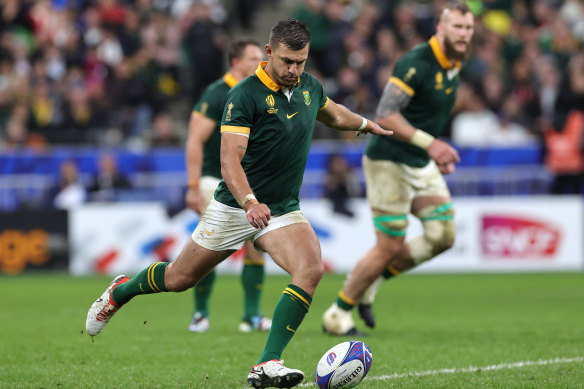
{"x": 106, "y": 313}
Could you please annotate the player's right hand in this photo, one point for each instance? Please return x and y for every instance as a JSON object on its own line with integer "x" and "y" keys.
{"x": 258, "y": 215}
{"x": 443, "y": 153}
{"x": 195, "y": 200}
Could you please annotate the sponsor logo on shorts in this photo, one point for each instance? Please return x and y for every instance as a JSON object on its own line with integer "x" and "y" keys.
{"x": 205, "y": 233}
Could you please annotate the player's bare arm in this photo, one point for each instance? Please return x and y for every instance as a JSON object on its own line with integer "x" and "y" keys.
{"x": 233, "y": 148}
{"x": 200, "y": 129}
{"x": 337, "y": 116}
{"x": 395, "y": 99}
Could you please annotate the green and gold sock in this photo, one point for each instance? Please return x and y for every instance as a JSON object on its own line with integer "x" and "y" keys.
{"x": 389, "y": 272}
{"x": 344, "y": 302}
{"x": 252, "y": 280}
{"x": 149, "y": 280}
{"x": 288, "y": 315}
{"x": 202, "y": 292}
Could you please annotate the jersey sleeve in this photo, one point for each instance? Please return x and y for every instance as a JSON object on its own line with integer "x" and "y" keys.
{"x": 210, "y": 105}
{"x": 407, "y": 75}
{"x": 237, "y": 112}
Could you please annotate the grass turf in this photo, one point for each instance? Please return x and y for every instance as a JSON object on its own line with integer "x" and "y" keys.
{"x": 518, "y": 324}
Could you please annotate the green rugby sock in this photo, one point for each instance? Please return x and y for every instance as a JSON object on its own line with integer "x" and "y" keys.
{"x": 202, "y": 293}
{"x": 252, "y": 279}
{"x": 288, "y": 315}
{"x": 389, "y": 271}
{"x": 344, "y": 302}
{"x": 149, "y": 280}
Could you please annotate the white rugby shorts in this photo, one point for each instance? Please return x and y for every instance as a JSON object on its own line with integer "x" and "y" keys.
{"x": 226, "y": 228}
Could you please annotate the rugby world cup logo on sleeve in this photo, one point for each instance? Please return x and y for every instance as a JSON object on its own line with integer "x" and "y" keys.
{"x": 518, "y": 237}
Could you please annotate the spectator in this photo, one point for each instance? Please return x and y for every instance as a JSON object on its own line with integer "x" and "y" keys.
{"x": 340, "y": 185}
{"x": 565, "y": 155}
{"x": 164, "y": 132}
{"x": 108, "y": 180}
{"x": 71, "y": 193}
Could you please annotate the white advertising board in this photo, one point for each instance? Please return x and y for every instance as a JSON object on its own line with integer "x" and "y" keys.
{"x": 493, "y": 234}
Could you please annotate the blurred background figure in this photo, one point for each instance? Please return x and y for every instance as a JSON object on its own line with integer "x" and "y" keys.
{"x": 340, "y": 185}
{"x": 71, "y": 192}
{"x": 164, "y": 133}
{"x": 107, "y": 180}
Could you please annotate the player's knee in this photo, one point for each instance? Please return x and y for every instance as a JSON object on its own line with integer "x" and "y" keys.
{"x": 439, "y": 234}
{"x": 178, "y": 282}
{"x": 393, "y": 231}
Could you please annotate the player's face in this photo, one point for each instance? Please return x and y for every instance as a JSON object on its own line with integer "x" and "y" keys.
{"x": 458, "y": 30}
{"x": 286, "y": 64}
{"x": 249, "y": 60}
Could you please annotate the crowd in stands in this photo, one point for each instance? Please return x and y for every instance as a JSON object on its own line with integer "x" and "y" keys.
{"x": 120, "y": 72}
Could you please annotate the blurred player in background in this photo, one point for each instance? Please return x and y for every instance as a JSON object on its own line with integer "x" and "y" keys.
{"x": 204, "y": 174}
{"x": 404, "y": 173}
{"x": 266, "y": 132}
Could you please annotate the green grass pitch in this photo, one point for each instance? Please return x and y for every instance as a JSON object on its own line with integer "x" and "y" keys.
{"x": 434, "y": 331}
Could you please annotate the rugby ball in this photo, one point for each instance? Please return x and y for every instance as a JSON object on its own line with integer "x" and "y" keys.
{"x": 344, "y": 365}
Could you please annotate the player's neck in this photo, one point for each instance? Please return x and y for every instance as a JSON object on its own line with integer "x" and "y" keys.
{"x": 268, "y": 70}
{"x": 235, "y": 73}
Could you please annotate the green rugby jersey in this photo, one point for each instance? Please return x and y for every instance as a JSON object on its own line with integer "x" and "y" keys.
{"x": 210, "y": 105}
{"x": 425, "y": 74}
{"x": 280, "y": 132}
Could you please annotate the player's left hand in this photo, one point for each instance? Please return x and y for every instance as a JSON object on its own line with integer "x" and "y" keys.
{"x": 258, "y": 214}
{"x": 447, "y": 168}
{"x": 374, "y": 128}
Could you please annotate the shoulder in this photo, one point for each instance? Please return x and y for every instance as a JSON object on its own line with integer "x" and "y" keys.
{"x": 309, "y": 80}
{"x": 416, "y": 56}
{"x": 216, "y": 89}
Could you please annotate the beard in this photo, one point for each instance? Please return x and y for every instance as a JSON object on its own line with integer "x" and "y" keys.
{"x": 452, "y": 53}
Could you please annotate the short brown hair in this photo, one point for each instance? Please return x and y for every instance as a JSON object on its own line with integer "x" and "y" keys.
{"x": 237, "y": 48}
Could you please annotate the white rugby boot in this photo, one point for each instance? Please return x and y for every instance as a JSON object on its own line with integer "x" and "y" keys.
{"x": 273, "y": 374}
{"x": 102, "y": 310}
{"x": 337, "y": 321}
{"x": 199, "y": 323}
{"x": 257, "y": 323}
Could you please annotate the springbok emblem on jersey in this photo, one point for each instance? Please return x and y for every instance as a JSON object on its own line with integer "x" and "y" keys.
{"x": 307, "y": 100}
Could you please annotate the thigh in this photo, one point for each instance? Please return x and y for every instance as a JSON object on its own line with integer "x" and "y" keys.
{"x": 253, "y": 254}
{"x": 294, "y": 247}
{"x": 429, "y": 182}
{"x": 388, "y": 191}
{"x": 196, "y": 261}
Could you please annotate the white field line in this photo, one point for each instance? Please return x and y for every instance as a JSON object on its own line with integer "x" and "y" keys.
{"x": 471, "y": 369}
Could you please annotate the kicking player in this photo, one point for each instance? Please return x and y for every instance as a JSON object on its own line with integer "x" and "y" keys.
{"x": 404, "y": 173}
{"x": 204, "y": 174}
{"x": 267, "y": 127}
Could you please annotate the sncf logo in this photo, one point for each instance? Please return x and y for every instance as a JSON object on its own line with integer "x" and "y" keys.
{"x": 331, "y": 358}
{"x": 519, "y": 237}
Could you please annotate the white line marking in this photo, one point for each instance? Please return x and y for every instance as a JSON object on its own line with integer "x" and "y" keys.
{"x": 472, "y": 369}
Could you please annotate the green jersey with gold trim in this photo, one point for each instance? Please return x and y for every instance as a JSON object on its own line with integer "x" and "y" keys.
{"x": 210, "y": 105}
{"x": 280, "y": 128}
{"x": 425, "y": 74}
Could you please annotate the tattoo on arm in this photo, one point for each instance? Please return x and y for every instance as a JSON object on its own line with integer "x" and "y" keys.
{"x": 393, "y": 100}
{"x": 241, "y": 147}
